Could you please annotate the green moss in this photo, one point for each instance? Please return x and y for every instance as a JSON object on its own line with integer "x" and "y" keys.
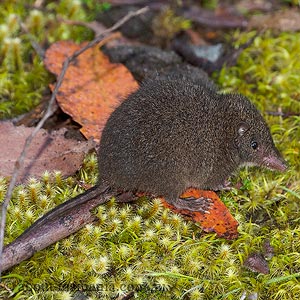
{"x": 143, "y": 247}
{"x": 267, "y": 72}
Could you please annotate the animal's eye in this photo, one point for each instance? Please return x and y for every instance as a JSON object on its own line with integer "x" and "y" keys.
{"x": 254, "y": 145}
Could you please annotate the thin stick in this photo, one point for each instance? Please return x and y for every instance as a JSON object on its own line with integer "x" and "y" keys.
{"x": 38, "y": 49}
{"x": 50, "y": 110}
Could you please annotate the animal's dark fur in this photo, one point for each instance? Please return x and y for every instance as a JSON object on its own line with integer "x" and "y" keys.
{"x": 172, "y": 134}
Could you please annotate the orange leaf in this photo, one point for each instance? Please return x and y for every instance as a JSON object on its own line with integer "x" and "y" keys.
{"x": 92, "y": 88}
{"x": 218, "y": 220}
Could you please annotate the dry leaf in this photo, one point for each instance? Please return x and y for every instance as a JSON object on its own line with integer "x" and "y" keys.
{"x": 46, "y": 152}
{"x": 218, "y": 220}
{"x": 288, "y": 20}
{"x": 92, "y": 88}
{"x": 257, "y": 263}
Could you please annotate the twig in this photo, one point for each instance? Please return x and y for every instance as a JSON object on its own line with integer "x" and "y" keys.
{"x": 207, "y": 18}
{"x": 38, "y": 49}
{"x": 43, "y": 234}
{"x": 282, "y": 114}
{"x": 19, "y": 163}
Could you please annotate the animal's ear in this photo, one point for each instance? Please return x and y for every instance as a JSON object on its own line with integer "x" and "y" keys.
{"x": 242, "y": 128}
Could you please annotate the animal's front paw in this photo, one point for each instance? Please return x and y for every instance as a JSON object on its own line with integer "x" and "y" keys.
{"x": 226, "y": 186}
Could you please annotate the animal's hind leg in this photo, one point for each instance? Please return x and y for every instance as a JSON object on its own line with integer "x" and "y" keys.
{"x": 201, "y": 204}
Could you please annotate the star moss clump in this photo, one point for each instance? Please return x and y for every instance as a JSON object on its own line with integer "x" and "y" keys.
{"x": 143, "y": 248}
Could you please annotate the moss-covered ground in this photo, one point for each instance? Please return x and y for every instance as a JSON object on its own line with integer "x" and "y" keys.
{"x": 144, "y": 247}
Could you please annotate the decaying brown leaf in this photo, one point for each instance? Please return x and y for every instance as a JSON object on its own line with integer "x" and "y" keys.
{"x": 287, "y": 20}
{"x": 92, "y": 88}
{"x": 257, "y": 263}
{"x": 47, "y": 151}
